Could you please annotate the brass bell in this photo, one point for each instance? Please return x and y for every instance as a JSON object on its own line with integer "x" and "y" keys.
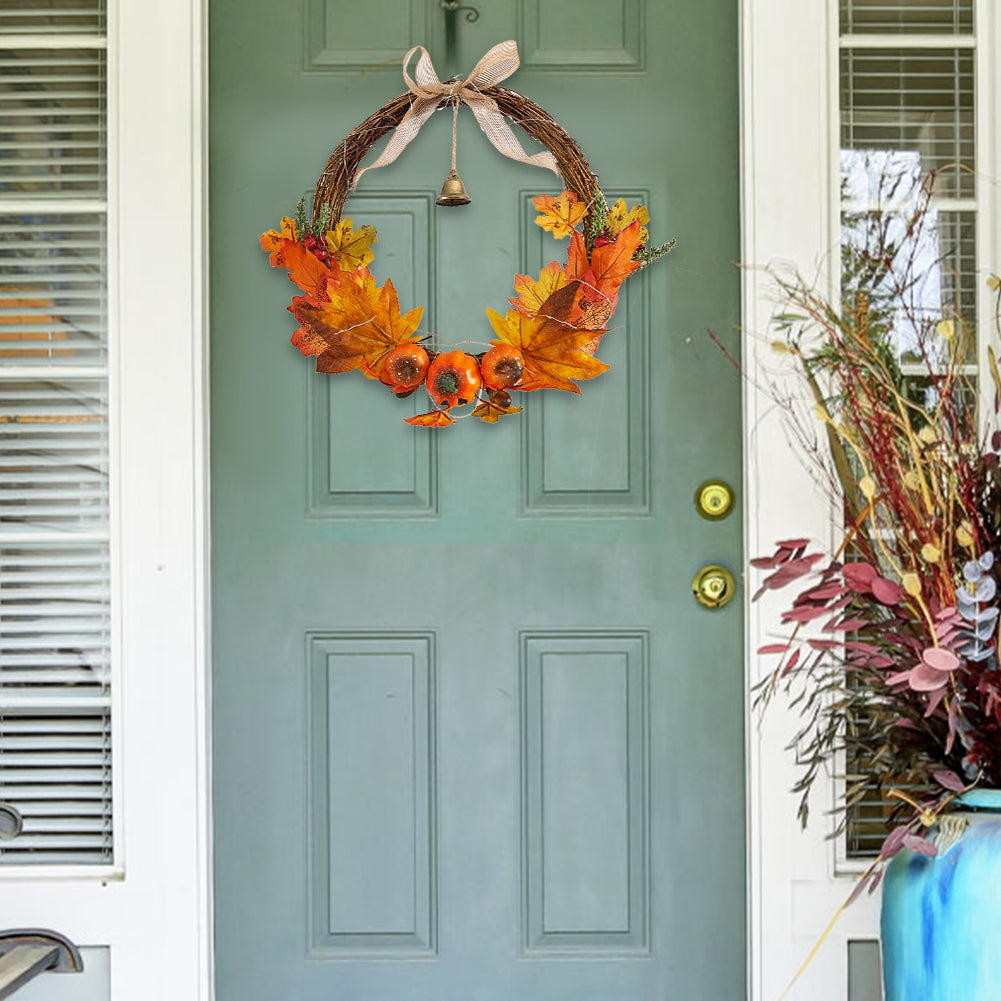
{"x": 453, "y": 191}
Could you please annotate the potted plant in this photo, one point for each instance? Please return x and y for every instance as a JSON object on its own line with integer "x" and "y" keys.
{"x": 889, "y": 645}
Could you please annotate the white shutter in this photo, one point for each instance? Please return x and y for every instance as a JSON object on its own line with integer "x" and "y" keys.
{"x": 55, "y": 567}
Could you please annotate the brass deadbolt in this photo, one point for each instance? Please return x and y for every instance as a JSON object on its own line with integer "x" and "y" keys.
{"x": 714, "y": 499}
{"x": 714, "y": 586}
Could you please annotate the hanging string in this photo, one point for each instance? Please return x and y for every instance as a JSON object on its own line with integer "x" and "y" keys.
{"x": 455, "y": 120}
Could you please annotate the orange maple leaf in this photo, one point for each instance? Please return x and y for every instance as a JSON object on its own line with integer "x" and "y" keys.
{"x": 577, "y": 262}
{"x": 357, "y": 327}
{"x": 305, "y": 268}
{"x": 272, "y": 240}
{"x": 532, "y": 292}
{"x": 550, "y": 346}
{"x": 432, "y": 419}
{"x": 612, "y": 262}
{"x": 600, "y": 277}
{"x": 559, "y": 214}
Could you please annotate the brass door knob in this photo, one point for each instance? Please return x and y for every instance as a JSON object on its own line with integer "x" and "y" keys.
{"x": 714, "y": 586}
{"x": 714, "y": 499}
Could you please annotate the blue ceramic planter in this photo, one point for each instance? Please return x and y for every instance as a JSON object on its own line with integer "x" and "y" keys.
{"x": 941, "y": 916}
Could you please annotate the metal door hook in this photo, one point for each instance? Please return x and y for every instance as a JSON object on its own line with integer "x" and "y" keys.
{"x": 453, "y": 7}
{"x": 26, "y": 952}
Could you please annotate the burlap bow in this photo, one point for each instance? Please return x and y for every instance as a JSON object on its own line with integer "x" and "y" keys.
{"x": 428, "y": 92}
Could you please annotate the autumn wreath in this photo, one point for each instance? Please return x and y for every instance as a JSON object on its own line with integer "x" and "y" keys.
{"x": 546, "y": 341}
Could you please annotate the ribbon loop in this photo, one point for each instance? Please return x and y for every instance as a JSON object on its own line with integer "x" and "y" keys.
{"x": 427, "y": 92}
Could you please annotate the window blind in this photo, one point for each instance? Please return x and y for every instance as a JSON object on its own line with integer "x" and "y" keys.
{"x": 55, "y": 566}
{"x": 907, "y": 87}
{"x": 906, "y": 16}
{"x": 52, "y": 17}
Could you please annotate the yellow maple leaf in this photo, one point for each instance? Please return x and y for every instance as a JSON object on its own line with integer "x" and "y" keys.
{"x": 349, "y": 247}
{"x": 354, "y": 326}
{"x": 532, "y": 292}
{"x": 492, "y": 412}
{"x": 619, "y": 217}
{"x": 559, "y": 214}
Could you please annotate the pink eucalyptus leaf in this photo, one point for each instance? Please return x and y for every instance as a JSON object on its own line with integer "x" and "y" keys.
{"x": 787, "y": 573}
{"x": 926, "y": 679}
{"x": 849, "y": 625}
{"x": 934, "y": 701}
{"x": 861, "y": 646}
{"x": 886, "y": 592}
{"x": 860, "y": 885}
{"x": 949, "y": 779}
{"x": 774, "y": 648}
{"x": 806, "y": 614}
{"x": 858, "y": 576}
{"x": 940, "y": 659}
{"x": 791, "y": 662}
{"x": 793, "y": 543}
{"x": 894, "y": 842}
{"x": 899, "y": 678}
{"x": 874, "y": 881}
{"x": 882, "y": 661}
{"x": 953, "y": 722}
{"x": 920, "y": 846}
{"x": 824, "y": 644}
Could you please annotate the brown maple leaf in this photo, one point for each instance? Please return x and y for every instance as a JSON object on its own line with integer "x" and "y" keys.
{"x": 549, "y": 344}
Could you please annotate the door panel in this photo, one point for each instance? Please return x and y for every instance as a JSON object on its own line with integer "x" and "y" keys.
{"x": 473, "y": 738}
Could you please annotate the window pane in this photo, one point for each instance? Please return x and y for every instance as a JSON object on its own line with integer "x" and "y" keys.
{"x": 53, "y": 289}
{"x": 897, "y": 16}
{"x": 52, "y": 16}
{"x": 53, "y": 111}
{"x": 919, "y": 103}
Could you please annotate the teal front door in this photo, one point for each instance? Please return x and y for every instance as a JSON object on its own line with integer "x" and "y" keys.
{"x": 474, "y": 740}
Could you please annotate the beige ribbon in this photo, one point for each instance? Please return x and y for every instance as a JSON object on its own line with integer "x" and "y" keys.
{"x": 428, "y": 92}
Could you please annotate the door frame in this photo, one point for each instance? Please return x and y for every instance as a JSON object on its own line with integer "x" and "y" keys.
{"x": 162, "y": 115}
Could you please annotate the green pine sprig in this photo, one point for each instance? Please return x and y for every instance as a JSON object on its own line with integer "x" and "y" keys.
{"x": 647, "y": 254}
{"x": 596, "y": 222}
{"x": 322, "y": 224}
{"x": 300, "y": 219}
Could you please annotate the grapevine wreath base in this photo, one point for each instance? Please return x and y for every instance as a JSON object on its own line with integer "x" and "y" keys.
{"x": 549, "y": 336}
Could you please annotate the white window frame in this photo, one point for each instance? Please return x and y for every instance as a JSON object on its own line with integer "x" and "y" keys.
{"x": 790, "y": 213}
{"x": 152, "y": 908}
